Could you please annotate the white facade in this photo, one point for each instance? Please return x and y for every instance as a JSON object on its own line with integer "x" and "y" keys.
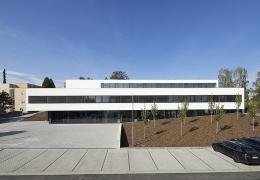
{"x": 83, "y": 84}
{"x": 93, "y": 88}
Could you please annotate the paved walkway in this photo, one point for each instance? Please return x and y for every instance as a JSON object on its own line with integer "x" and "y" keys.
{"x": 116, "y": 161}
{"x": 44, "y": 135}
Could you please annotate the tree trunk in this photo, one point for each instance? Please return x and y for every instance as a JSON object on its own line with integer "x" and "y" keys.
{"x": 253, "y": 124}
{"x": 153, "y": 122}
{"x": 144, "y": 132}
{"x": 132, "y": 134}
{"x": 217, "y": 128}
{"x": 181, "y": 128}
{"x": 237, "y": 114}
{"x": 211, "y": 117}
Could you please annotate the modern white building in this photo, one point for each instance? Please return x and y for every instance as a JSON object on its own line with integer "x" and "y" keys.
{"x": 95, "y": 101}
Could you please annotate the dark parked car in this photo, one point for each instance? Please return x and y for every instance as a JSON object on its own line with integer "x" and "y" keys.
{"x": 238, "y": 151}
{"x": 254, "y": 142}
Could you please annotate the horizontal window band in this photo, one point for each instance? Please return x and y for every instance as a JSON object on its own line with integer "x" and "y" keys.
{"x": 129, "y": 99}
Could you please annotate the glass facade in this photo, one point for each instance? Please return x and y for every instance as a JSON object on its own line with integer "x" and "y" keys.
{"x": 128, "y": 99}
{"x": 101, "y": 116}
{"x": 112, "y": 116}
{"x": 158, "y": 85}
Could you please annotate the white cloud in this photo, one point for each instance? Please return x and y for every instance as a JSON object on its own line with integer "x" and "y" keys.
{"x": 14, "y": 77}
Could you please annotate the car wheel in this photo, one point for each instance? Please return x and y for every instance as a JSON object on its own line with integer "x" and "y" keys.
{"x": 236, "y": 158}
{"x": 215, "y": 148}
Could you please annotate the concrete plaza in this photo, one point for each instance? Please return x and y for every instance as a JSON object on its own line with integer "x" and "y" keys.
{"x": 22, "y": 134}
{"x": 116, "y": 161}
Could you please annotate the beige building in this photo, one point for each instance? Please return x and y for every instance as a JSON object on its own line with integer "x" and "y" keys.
{"x": 17, "y": 91}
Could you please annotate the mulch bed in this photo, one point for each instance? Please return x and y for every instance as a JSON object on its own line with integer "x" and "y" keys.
{"x": 40, "y": 116}
{"x": 198, "y": 131}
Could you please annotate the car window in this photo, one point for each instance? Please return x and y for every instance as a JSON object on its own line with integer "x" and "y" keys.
{"x": 229, "y": 145}
{"x": 249, "y": 149}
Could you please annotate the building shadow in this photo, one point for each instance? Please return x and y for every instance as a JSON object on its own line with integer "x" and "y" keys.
{"x": 123, "y": 140}
{"x": 10, "y": 133}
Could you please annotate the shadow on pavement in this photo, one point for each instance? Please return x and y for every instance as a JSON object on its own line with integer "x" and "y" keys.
{"x": 10, "y": 133}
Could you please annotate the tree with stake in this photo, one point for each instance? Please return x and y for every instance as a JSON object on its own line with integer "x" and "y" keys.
{"x": 154, "y": 112}
{"x": 211, "y": 106}
{"x": 219, "y": 115}
{"x": 181, "y": 115}
{"x": 144, "y": 115}
{"x": 252, "y": 111}
{"x": 238, "y": 102}
{"x": 186, "y": 107}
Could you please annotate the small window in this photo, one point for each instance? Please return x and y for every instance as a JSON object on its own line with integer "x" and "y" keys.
{"x": 75, "y": 99}
{"x": 37, "y": 99}
{"x": 56, "y": 99}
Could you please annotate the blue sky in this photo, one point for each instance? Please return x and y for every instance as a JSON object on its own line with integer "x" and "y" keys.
{"x": 149, "y": 39}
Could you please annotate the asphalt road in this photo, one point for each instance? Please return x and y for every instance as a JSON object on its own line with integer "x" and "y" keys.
{"x": 174, "y": 176}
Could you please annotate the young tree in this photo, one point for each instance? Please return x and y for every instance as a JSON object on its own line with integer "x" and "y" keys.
{"x": 225, "y": 78}
{"x": 119, "y": 75}
{"x": 144, "y": 116}
{"x": 186, "y": 107}
{"x": 238, "y": 102}
{"x": 154, "y": 112}
{"x": 4, "y": 77}
{"x": 181, "y": 115}
{"x": 219, "y": 115}
{"x": 252, "y": 111}
{"x": 48, "y": 83}
{"x": 6, "y": 102}
{"x": 211, "y": 106}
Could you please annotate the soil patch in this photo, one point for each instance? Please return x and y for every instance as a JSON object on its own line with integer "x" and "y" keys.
{"x": 197, "y": 131}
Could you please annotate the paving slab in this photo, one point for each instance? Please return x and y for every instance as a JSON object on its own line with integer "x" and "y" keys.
{"x": 189, "y": 161}
{"x": 165, "y": 161}
{"x": 92, "y": 161}
{"x": 9, "y": 153}
{"x": 140, "y": 161}
{"x": 212, "y": 160}
{"x": 116, "y": 161}
{"x": 40, "y": 163}
{"x": 67, "y": 162}
{"x": 18, "y": 161}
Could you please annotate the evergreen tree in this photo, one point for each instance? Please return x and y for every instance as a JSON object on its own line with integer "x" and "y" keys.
{"x": 48, "y": 83}
{"x": 6, "y": 102}
{"x": 4, "y": 77}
